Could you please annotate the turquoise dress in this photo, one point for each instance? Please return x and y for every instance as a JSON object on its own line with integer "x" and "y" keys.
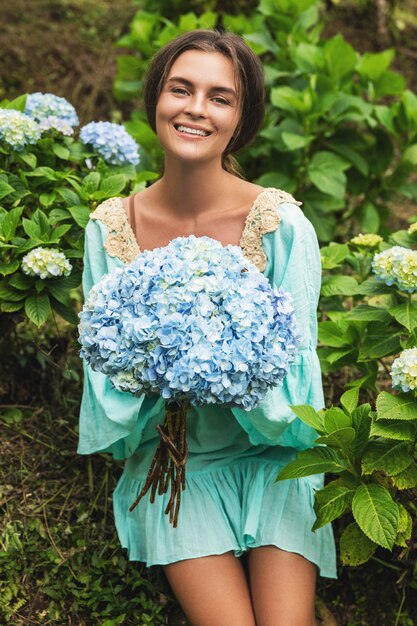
{"x": 231, "y": 501}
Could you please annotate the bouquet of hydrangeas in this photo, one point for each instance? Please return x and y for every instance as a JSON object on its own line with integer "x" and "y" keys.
{"x": 195, "y": 322}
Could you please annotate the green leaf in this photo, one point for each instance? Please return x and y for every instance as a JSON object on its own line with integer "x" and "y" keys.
{"x": 292, "y": 141}
{"x": 9, "y": 268}
{"x": 340, "y": 57}
{"x": 370, "y": 218}
{"x": 61, "y": 151}
{"x": 44, "y": 172}
{"x": 10, "y": 294}
{"x": 325, "y": 171}
{"x": 410, "y": 154}
{"x": 46, "y": 199}
{"x": 389, "y": 84}
{"x": 341, "y": 438}
{"x": 405, "y": 527}
{"x": 399, "y": 407}
{"x": 405, "y": 314}
{"x": 401, "y": 431}
{"x": 366, "y": 313}
{"x": 38, "y": 308}
{"x": 10, "y": 222}
{"x": 376, "y": 514}
{"x": 331, "y": 502}
{"x": 349, "y": 400}
{"x": 333, "y": 255}
{"x": 389, "y": 457}
{"x": 11, "y": 307}
{"x": 91, "y": 182}
{"x": 69, "y": 196}
{"x": 355, "y": 547}
{"x": 65, "y": 312}
{"x": 308, "y": 415}
{"x": 288, "y": 99}
{"x": 314, "y": 461}
{"x": 377, "y": 346}
{"x": 58, "y": 291}
{"x": 407, "y": 479}
{"x": 361, "y": 422}
{"x": 334, "y": 419}
{"x": 339, "y": 286}
{"x": 5, "y": 189}
{"x": 80, "y": 214}
{"x": 373, "y": 65}
{"x": 372, "y": 286}
{"x": 21, "y": 281}
{"x": 110, "y": 187}
{"x": 29, "y": 158}
{"x": 330, "y": 334}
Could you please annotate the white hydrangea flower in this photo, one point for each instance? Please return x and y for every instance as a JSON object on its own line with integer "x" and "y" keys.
{"x": 52, "y": 122}
{"x": 18, "y": 129}
{"x": 46, "y": 263}
{"x": 368, "y": 240}
{"x": 397, "y": 266}
{"x": 404, "y": 370}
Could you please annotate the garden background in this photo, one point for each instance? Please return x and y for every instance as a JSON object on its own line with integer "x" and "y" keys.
{"x": 341, "y": 135}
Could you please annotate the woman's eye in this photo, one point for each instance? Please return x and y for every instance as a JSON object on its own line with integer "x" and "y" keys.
{"x": 179, "y": 90}
{"x": 220, "y": 100}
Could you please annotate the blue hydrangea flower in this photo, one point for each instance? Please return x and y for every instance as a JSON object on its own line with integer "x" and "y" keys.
{"x": 112, "y": 142}
{"x": 46, "y": 263}
{"x": 397, "y": 266}
{"x": 18, "y": 129}
{"x": 404, "y": 370}
{"x": 192, "y": 321}
{"x": 40, "y": 105}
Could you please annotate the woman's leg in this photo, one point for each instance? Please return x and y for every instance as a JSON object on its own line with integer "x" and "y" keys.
{"x": 282, "y": 586}
{"x": 212, "y": 590}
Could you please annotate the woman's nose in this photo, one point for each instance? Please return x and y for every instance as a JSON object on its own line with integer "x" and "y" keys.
{"x": 196, "y": 106}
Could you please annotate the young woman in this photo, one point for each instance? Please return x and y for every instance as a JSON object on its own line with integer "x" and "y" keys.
{"x": 204, "y": 97}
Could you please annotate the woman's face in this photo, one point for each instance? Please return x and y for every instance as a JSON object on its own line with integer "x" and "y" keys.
{"x": 198, "y": 109}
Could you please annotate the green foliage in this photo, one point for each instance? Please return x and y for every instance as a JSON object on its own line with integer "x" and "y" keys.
{"x": 375, "y": 464}
{"x": 340, "y": 126}
{"x": 46, "y": 194}
{"x": 363, "y": 320}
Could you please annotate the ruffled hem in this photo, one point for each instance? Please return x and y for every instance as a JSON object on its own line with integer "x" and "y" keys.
{"x": 233, "y": 508}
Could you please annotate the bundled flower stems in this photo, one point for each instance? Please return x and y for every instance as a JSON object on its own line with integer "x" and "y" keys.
{"x": 196, "y": 323}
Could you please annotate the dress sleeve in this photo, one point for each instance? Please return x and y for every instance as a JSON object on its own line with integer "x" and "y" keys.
{"x": 110, "y": 420}
{"x": 293, "y": 264}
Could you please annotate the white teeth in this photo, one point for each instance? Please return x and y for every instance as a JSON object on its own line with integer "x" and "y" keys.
{"x": 192, "y": 131}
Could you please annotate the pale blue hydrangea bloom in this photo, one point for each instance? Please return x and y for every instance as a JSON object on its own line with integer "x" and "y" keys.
{"x": 46, "y": 263}
{"x": 112, "y": 142}
{"x": 404, "y": 370}
{"x": 397, "y": 266}
{"x": 18, "y": 129}
{"x": 52, "y": 122}
{"x": 190, "y": 321}
{"x": 40, "y": 105}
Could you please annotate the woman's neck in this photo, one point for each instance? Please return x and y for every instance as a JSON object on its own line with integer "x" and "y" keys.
{"x": 191, "y": 189}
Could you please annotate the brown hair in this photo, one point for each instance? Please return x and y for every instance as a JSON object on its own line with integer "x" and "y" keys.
{"x": 249, "y": 78}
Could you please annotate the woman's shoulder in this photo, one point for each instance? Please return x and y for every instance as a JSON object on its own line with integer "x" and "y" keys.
{"x": 117, "y": 237}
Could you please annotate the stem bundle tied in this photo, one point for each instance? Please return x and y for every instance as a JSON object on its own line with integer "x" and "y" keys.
{"x": 168, "y": 463}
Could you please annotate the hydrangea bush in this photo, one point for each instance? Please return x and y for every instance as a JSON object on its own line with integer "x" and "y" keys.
{"x": 49, "y": 182}
{"x": 368, "y": 332}
{"x": 112, "y": 142}
{"x": 190, "y": 321}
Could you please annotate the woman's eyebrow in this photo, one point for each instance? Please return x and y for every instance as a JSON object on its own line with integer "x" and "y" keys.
{"x": 187, "y": 82}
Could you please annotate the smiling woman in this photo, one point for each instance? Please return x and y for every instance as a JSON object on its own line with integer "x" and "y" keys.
{"x": 243, "y": 552}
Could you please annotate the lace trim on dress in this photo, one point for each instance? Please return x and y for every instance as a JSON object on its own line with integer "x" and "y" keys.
{"x": 263, "y": 218}
{"x": 120, "y": 241}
